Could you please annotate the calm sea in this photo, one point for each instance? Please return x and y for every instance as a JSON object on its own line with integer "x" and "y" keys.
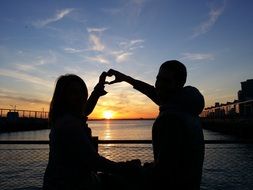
{"x": 226, "y": 166}
{"x": 110, "y": 130}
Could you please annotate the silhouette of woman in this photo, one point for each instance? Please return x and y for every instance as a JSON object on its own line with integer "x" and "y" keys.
{"x": 73, "y": 160}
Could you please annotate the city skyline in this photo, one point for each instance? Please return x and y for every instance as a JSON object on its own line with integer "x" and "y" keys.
{"x": 41, "y": 40}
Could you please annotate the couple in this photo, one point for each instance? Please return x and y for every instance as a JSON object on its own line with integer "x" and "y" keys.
{"x": 177, "y": 137}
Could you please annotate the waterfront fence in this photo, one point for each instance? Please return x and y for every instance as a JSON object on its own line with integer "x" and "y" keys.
{"x": 227, "y": 164}
{"x": 24, "y": 113}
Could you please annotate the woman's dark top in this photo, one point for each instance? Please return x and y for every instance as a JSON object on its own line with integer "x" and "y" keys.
{"x": 73, "y": 160}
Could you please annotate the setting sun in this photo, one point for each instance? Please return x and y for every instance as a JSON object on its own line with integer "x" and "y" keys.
{"x": 107, "y": 114}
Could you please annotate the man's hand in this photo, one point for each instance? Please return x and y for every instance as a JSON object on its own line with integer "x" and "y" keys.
{"x": 119, "y": 77}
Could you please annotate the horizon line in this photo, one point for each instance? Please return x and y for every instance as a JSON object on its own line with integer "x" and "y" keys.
{"x": 141, "y": 118}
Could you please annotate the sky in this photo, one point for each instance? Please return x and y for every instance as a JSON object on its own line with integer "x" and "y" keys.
{"x": 41, "y": 40}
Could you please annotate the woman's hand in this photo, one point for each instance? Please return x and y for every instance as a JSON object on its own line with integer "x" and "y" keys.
{"x": 99, "y": 88}
{"x": 102, "y": 78}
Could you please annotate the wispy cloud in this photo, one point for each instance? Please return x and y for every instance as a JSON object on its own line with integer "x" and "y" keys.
{"x": 123, "y": 57}
{"x": 96, "y": 29}
{"x": 7, "y": 94}
{"x": 58, "y": 16}
{"x": 24, "y": 100}
{"x": 32, "y": 61}
{"x": 24, "y": 77}
{"x": 132, "y": 44}
{"x": 39, "y": 61}
{"x": 100, "y": 59}
{"x": 127, "y": 49}
{"x": 95, "y": 43}
{"x": 73, "y": 50}
{"x": 95, "y": 40}
{"x": 205, "y": 26}
{"x": 124, "y": 51}
{"x": 197, "y": 56}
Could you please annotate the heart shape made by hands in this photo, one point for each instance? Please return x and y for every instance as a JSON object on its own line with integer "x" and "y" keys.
{"x": 111, "y": 79}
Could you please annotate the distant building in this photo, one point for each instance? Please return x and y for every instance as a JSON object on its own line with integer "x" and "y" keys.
{"x": 243, "y": 107}
{"x": 246, "y": 93}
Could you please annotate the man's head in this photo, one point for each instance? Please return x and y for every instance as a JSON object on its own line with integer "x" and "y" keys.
{"x": 170, "y": 79}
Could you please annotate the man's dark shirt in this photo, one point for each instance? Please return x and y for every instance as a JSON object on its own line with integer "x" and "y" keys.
{"x": 178, "y": 146}
{"x": 177, "y": 139}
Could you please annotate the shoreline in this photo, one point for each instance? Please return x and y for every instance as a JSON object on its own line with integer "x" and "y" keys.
{"x": 237, "y": 127}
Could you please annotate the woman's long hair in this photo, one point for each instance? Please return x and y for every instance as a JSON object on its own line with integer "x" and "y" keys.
{"x": 70, "y": 96}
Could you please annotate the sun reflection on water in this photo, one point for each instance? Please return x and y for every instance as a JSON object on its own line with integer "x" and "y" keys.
{"x": 107, "y": 134}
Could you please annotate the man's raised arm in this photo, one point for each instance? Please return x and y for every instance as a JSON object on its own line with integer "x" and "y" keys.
{"x": 141, "y": 86}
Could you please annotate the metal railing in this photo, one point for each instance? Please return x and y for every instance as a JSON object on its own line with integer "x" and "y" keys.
{"x": 227, "y": 165}
{"x": 24, "y": 113}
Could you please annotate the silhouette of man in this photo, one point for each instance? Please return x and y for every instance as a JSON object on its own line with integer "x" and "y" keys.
{"x": 177, "y": 136}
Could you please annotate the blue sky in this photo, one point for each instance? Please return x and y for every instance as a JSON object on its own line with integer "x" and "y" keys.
{"x": 40, "y": 40}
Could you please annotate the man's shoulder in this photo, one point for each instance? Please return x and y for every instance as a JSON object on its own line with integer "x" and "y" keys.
{"x": 192, "y": 99}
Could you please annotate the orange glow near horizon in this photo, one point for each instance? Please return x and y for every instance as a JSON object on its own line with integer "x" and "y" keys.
{"x": 132, "y": 113}
{"x": 107, "y": 108}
